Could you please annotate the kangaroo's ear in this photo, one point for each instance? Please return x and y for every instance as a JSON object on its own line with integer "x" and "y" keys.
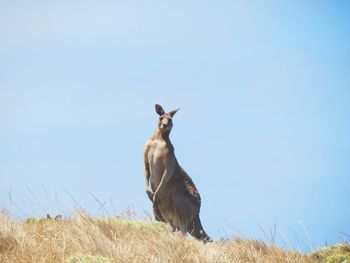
{"x": 159, "y": 110}
{"x": 172, "y": 113}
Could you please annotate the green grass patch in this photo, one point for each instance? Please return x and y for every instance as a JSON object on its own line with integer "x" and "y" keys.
{"x": 339, "y": 253}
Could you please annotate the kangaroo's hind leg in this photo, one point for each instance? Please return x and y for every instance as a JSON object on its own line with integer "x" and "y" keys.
{"x": 184, "y": 212}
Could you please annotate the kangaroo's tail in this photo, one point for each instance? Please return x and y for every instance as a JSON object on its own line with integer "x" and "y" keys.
{"x": 198, "y": 232}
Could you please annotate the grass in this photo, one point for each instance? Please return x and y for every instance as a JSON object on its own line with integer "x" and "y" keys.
{"x": 83, "y": 238}
{"x": 339, "y": 253}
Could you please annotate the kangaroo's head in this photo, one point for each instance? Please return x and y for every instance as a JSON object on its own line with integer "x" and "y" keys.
{"x": 165, "y": 122}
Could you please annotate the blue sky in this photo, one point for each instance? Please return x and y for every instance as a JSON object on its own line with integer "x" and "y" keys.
{"x": 263, "y": 129}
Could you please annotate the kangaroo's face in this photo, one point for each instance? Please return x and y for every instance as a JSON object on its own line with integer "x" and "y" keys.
{"x": 165, "y": 123}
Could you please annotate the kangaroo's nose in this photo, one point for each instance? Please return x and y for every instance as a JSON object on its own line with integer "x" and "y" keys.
{"x": 163, "y": 125}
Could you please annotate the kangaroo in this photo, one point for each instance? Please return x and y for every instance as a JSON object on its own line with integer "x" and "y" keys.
{"x": 175, "y": 198}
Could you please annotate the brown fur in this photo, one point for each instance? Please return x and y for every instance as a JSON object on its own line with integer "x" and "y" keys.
{"x": 175, "y": 198}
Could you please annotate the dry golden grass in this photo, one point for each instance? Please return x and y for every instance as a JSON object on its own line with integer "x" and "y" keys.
{"x": 82, "y": 238}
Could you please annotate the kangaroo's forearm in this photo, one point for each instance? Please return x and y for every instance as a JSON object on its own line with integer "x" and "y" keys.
{"x": 147, "y": 175}
{"x": 147, "y": 187}
{"x": 165, "y": 178}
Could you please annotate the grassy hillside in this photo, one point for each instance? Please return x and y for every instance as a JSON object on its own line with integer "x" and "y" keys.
{"x": 86, "y": 239}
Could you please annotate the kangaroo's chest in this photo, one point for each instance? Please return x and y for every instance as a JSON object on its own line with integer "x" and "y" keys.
{"x": 157, "y": 157}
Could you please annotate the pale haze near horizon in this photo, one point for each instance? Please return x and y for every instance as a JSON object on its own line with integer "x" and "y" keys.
{"x": 263, "y": 128}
